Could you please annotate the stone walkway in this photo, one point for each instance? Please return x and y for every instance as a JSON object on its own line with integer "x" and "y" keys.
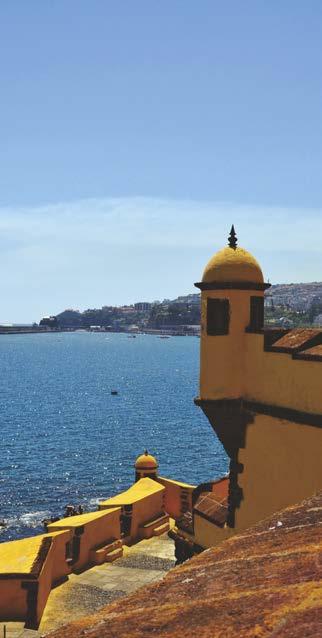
{"x": 82, "y": 594}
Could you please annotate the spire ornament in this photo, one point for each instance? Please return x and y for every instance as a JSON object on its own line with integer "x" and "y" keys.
{"x": 232, "y": 239}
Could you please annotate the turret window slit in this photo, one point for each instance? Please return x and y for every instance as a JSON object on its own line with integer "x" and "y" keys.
{"x": 256, "y": 313}
{"x": 217, "y": 317}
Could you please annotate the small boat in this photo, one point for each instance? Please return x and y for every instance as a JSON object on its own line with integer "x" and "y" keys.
{"x": 114, "y": 392}
{"x": 165, "y": 337}
{"x": 131, "y": 336}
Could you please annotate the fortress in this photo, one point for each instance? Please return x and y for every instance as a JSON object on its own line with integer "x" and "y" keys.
{"x": 260, "y": 391}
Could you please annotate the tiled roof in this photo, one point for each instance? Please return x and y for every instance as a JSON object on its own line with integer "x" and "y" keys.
{"x": 212, "y": 507}
{"x": 311, "y": 354}
{"x": 263, "y": 582}
{"x": 296, "y": 340}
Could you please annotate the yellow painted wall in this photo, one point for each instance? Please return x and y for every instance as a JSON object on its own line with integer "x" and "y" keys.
{"x": 276, "y": 378}
{"x": 21, "y": 554}
{"x": 145, "y": 510}
{"x": 13, "y": 600}
{"x": 236, "y": 365}
{"x": 54, "y": 568}
{"x": 99, "y": 528}
{"x": 282, "y": 460}
{"x": 173, "y": 496}
{"x": 146, "y": 498}
{"x": 45, "y": 578}
{"x": 282, "y": 465}
{"x": 60, "y": 567}
{"x": 207, "y": 534}
{"x": 222, "y": 358}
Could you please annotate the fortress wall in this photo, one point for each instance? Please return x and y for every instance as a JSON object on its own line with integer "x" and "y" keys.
{"x": 55, "y": 567}
{"x": 275, "y": 378}
{"x": 177, "y": 498}
{"x": 282, "y": 464}
{"x": 13, "y": 599}
{"x": 207, "y": 534}
{"x": 23, "y": 596}
{"x": 145, "y": 510}
{"x": 222, "y": 358}
{"x": 45, "y": 578}
{"x": 60, "y": 567}
{"x": 95, "y": 531}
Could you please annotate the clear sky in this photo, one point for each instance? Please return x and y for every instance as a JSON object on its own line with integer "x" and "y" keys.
{"x": 134, "y": 132}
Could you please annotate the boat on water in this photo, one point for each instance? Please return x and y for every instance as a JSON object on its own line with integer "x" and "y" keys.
{"x": 131, "y": 336}
{"x": 164, "y": 336}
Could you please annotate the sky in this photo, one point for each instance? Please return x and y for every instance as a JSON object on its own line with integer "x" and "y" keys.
{"x": 133, "y": 134}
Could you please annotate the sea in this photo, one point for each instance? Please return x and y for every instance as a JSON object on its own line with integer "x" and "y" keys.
{"x": 65, "y": 439}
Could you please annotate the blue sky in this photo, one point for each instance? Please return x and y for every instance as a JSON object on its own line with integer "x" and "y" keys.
{"x": 132, "y": 134}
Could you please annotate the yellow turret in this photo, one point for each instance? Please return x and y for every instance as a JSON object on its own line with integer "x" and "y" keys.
{"x": 232, "y": 304}
{"x": 233, "y": 265}
{"x": 146, "y": 465}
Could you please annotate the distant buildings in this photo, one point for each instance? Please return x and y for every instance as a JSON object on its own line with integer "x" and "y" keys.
{"x": 142, "y": 306}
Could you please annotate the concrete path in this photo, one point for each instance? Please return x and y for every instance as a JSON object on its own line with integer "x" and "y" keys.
{"x": 84, "y": 593}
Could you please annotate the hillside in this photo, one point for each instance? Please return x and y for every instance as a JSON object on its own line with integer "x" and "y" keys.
{"x": 288, "y": 305}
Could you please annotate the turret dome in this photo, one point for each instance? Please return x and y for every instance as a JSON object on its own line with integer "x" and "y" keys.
{"x": 146, "y": 462}
{"x": 233, "y": 264}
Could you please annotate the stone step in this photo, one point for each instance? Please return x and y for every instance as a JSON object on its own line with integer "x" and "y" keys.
{"x": 112, "y": 546}
{"x": 99, "y": 555}
{"x": 147, "y": 530}
{"x": 162, "y": 529}
{"x": 159, "y": 520}
{"x": 116, "y": 553}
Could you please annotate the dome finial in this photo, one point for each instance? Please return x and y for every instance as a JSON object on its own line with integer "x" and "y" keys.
{"x": 232, "y": 239}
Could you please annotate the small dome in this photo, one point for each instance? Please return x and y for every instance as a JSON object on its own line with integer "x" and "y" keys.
{"x": 233, "y": 264}
{"x": 146, "y": 462}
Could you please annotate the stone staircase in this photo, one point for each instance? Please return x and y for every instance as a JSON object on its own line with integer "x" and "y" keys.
{"x": 155, "y": 527}
{"x": 108, "y": 553}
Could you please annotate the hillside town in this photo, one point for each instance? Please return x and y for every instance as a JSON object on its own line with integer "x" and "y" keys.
{"x": 286, "y": 306}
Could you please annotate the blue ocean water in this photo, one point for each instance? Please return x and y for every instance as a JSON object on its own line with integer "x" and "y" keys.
{"x": 66, "y": 439}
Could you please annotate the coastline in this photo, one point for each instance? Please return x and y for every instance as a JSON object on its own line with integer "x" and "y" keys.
{"x": 148, "y": 331}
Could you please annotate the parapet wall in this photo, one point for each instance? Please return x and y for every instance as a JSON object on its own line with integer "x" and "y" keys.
{"x": 30, "y": 567}
{"x": 177, "y": 497}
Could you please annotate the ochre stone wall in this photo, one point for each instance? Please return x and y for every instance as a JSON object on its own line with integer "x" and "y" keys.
{"x": 207, "y": 534}
{"x": 93, "y": 529}
{"x": 177, "y": 498}
{"x": 223, "y": 358}
{"x": 13, "y": 600}
{"x": 282, "y": 463}
{"x": 42, "y": 561}
{"x": 275, "y": 378}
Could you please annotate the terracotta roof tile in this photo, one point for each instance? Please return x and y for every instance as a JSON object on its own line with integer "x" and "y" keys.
{"x": 296, "y": 340}
{"x": 310, "y": 354}
{"x": 212, "y": 507}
